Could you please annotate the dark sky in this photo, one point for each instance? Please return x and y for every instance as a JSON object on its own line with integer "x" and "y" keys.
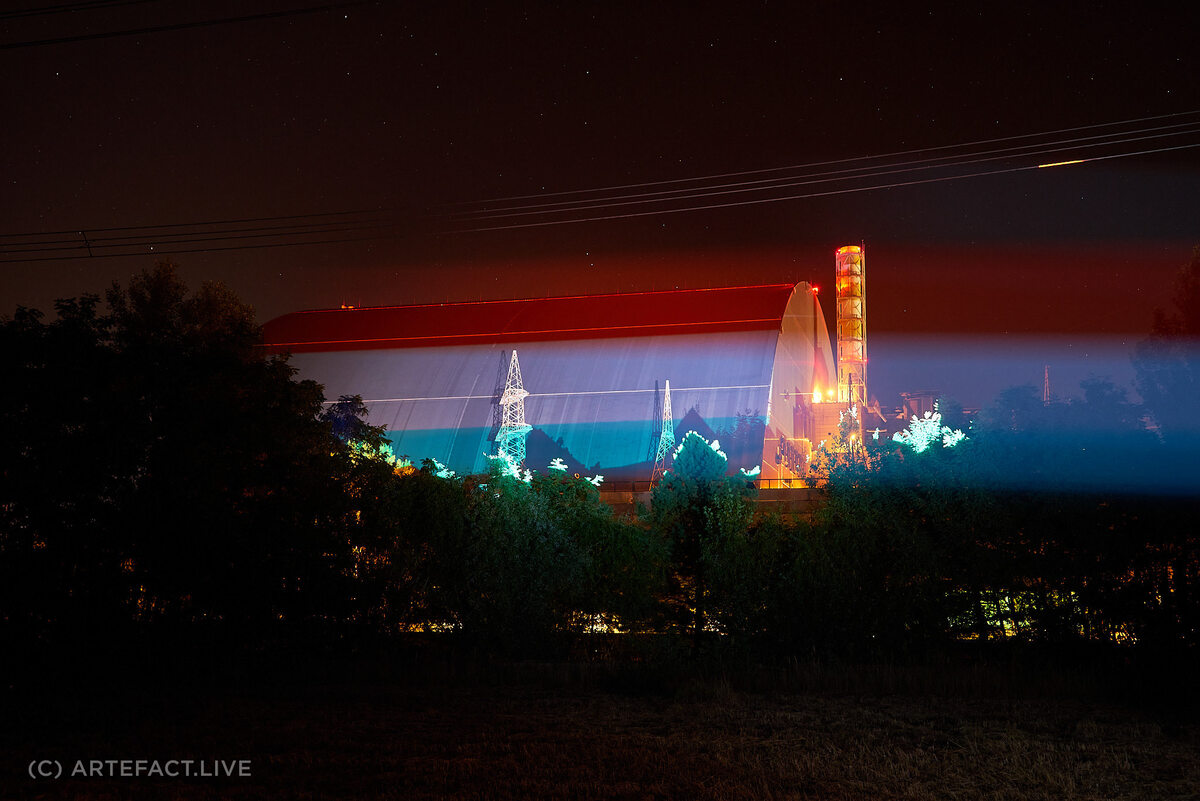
{"x": 400, "y": 111}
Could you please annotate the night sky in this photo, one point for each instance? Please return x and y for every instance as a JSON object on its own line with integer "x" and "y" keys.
{"x": 410, "y": 116}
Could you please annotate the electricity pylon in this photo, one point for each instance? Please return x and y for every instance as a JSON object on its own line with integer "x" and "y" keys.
{"x": 510, "y": 440}
{"x": 666, "y": 440}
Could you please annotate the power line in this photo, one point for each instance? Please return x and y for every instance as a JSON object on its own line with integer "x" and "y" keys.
{"x": 281, "y": 229}
{"x": 203, "y": 222}
{"x": 767, "y": 184}
{"x": 167, "y": 238}
{"x": 179, "y": 26}
{"x": 833, "y": 161}
{"x": 805, "y": 195}
{"x": 65, "y": 8}
{"x": 91, "y": 244}
{"x": 197, "y": 250}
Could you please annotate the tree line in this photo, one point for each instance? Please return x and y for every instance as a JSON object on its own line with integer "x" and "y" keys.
{"x": 160, "y": 473}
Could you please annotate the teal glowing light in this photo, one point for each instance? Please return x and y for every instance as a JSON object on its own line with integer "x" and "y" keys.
{"x": 715, "y": 445}
{"x": 753, "y": 473}
{"x": 558, "y": 464}
{"x": 922, "y": 432}
{"x": 507, "y": 467}
{"x": 440, "y": 470}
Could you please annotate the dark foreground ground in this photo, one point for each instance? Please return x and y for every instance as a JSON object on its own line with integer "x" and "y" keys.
{"x": 556, "y": 731}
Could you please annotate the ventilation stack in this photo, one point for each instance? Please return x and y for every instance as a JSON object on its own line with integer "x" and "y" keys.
{"x": 851, "y": 325}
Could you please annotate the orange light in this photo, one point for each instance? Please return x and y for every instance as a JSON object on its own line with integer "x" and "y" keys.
{"x": 1061, "y": 163}
{"x": 816, "y": 396}
{"x": 849, "y": 249}
{"x": 816, "y": 289}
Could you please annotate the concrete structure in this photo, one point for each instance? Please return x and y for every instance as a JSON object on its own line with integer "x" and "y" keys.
{"x": 752, "y": 365}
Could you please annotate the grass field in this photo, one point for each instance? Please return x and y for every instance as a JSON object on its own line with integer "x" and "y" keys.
{"x": 543, "y": 739}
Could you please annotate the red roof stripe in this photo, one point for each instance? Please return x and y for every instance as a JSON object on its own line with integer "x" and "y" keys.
{"x": 571, "y": 317}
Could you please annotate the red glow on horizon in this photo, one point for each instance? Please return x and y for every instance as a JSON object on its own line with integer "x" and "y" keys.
{"x": 349, "y": 307}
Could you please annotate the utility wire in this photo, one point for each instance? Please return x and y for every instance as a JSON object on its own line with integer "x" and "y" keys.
{"x": 877, "y": 173}
{"x": 133, "y": 238}
{"x": 833, "y": 161}
{"x": 91, "y": 244}
{"x": 203, "y": 222}
{"x": 300, "y": 229}
{"x": 805, "y": 195}
{"x": 766, "y": 184}
{"x": 172, "y": 252}
{"x": 70, "y": 8}
{"x": 179, "y": 26}
{"x": 167, "y": 238}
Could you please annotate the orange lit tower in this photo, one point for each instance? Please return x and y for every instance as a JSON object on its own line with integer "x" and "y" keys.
{"x": 851, "y": 325}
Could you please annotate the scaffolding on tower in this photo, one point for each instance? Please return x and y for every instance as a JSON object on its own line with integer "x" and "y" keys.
{"x": 510, "y": 440}
{"x": 666, "y": 439}
{"x": 851, "y": 325}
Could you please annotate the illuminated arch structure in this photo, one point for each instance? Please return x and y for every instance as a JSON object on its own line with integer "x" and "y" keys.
{"x": 591, "y": 365}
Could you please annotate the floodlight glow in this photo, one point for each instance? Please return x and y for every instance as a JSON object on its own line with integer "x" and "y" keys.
{"x": 507, "y": 466}
{"x": 922, "y": 432}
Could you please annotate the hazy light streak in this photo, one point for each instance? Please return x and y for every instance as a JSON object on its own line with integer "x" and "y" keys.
{"x": 1062, "y": 163}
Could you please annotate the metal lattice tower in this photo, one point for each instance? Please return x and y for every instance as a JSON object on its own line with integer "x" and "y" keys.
{"x": 510, "y": 440}
{"x": 666, "y": 440}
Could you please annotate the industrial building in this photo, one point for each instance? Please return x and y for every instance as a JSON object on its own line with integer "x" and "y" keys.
{"x": 587, "y": 378}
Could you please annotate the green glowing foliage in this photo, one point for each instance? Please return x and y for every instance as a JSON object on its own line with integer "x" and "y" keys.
{"x": 502, "y": 465}
{"x": 698, "y": 459}
{"x": 440, "y": 470}
{"x": 923, "y": 432}
{"x": 382, "y": 452}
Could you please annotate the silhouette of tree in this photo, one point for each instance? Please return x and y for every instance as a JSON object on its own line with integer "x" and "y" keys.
{"x": 1168, "y": 361}
{"x": 158, "y": 467}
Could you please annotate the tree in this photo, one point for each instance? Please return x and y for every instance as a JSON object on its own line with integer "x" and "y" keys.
{"x": 1168, "y": 362}
{"x": 160, "y": 468}
{"x": 697, "y": 510}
